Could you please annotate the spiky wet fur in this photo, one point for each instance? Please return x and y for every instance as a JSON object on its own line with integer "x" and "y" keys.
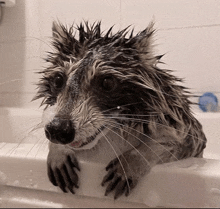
{"x": 147, "y": 103}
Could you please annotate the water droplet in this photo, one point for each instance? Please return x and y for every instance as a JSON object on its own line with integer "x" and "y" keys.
{"x": 3, "y": 178}
{"x": 16, "y": 183}
{"x": 215, "y": 191}
{"x": 35, "y": 186}
{"x": 153, "y": 199}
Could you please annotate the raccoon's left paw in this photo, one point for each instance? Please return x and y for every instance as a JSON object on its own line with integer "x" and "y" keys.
{"x": 121, "y": 179}
{"x": 61, "y": 167}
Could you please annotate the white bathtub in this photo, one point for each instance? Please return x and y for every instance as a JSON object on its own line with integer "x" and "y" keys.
{"x": 24, "y": 183}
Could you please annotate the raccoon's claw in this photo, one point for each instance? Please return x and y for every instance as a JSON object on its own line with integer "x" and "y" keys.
{"x": 119, "y": 184}
{"x": 61, "y": 171}
{"x": 119, "y": 181}
{"x": 112, "y": 164}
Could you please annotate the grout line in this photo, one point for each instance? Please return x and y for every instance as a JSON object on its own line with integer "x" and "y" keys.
{"x": 16, "y": 92}
{"x": 120, "y": 10}
{"x": 25, "y": 39}
{"x": 193, "y": 26}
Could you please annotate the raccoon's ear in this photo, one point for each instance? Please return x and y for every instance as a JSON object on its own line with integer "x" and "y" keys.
{"x": 64, "y": 40}
{"x": 143, "y": 43}
{"x": 59, "y": 31}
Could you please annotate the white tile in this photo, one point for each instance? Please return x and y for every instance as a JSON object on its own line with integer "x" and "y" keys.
{"x": 13, "y": 23}
{"x": 12, "y": 58}
{"x": 170, "y": 13}
{"x": 18, "y": 99}
{"x": 194, "y": 55}
{"x": 19, "y": 62}
{"x": 76, "y": 11}
{"x": 187, "y": 32}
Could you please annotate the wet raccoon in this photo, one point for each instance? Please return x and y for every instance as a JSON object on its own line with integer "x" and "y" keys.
{"x": 104, "y": 82}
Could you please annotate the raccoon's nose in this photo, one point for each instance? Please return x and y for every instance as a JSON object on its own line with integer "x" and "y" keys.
{"x": 60, "y": 131}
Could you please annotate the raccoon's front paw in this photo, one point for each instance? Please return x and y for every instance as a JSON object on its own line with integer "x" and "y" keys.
{"x": 61, "y": 166}
{"x": 120, "y": 177}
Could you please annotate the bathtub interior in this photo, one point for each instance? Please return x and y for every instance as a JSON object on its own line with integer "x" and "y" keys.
{"x": 24, "y": 183}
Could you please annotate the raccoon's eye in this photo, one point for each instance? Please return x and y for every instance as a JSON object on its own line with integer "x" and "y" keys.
{"x": 58, "y": 81}
{"x": 109, "y": 83}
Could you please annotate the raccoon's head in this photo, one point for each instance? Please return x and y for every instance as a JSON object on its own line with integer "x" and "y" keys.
{"x": 97, "y": 81}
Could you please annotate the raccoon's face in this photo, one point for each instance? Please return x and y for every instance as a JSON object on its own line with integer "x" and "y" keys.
{"x": 81, "y": 95}
{"x": 93, "y": 83}
{"x": 83, "y": 98}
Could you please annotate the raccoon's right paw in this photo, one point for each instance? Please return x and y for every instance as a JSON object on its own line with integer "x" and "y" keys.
{"x": 61, "y": 166}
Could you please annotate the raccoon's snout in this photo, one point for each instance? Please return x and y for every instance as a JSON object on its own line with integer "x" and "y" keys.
{"x": 60, "y": 131}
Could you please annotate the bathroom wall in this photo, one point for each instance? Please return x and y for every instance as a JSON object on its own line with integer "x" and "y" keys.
{"x": 19, "y": 53}
{"x": 187, "y": 32}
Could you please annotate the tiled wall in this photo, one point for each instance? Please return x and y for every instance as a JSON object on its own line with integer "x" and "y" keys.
{"x": 19, "y": 53}
{"x": 188, "y": 32}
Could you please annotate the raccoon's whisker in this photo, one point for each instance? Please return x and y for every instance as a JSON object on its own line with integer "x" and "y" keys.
{"x": 160, "y": 124}
{"x": 147, "y": 137}
{"x": 40, "y": 41}
{"x": 120, "y": 152}
{"x": 154, "y": 114}
{"x": 35, "y": 144}
{"x": 17, "y": 145}
{"x": 130, "y": 145}
{"x": 139, "y": 139}
{"x": 28, "y": 132}
{"x": 119, "y": 124}
{"x": 39, "y": 142}
{"x": 118, "y": 148}
{"x": 44, "y": 142}
{"x": 37, "y": 127}
{"x": 122, "y": 167}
